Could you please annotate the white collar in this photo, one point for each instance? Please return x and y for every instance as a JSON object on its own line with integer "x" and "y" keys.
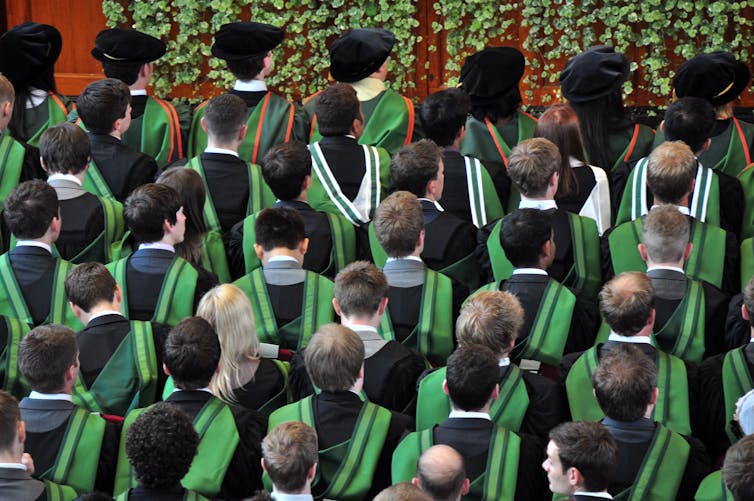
{"x": 435, "y": 202}
{"x": 206, "y": 389}
{"x": 527, "y": 203}
{"x": 681, "y": 208}
{"x": 404, "y": 258}
{"x": 105, "y": 312}
{"x": 36, "y": 97}
{"x": 603, "y": 495}
{"x": 281, "y": 496}
{"x": 358, "y": 327}
{"x": 671, "y": 268}
{"x": 212, "y": 149}
{"x": 629, "y": 339}
{"x": 138, "y": 92}
{"x": 469, "y": 415}
{"x": 368, "y": 88}
{"x": 282, "y": 258}
{"x": 15, "y": 466}
{"x": 58, "y": 176}
{"x": 529, "y": 271}
{"x": 34, "y": 243}
{"x": 504, "y": 362}
{"x": 157, "y": 245}
{"x": 250, "y": 86}
{"x": 50, "y": 396}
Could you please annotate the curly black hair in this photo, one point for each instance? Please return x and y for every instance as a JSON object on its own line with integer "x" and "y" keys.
{"x": 161, "y": 445}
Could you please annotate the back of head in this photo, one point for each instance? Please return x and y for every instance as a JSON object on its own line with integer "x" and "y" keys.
{"x": 161, "y": 444}
{"x": 336, "y": 108}
{"x": 64, "y": 149}
{"x": 531, "y": 164}
{"x": 589, "y": 448}
{"x": 492, "y": 319}
{"x": 229, "y": 312}
{"x": 665, "y": 233}
{"x": 88, "y": 285}
{"x": 443, "y": 114}
{"x": 126, "y": 73}
{"x": 523, "y": 234}
{"x": 402, "y": 491}
{"x": 279, "y": 228}
{"x": 748, "y": 298}
{"x": 626, "y": 302}
{"x": 44, "y": 356}
{"x": 334, "y": 357}
{"x": 290, "y": 450}
{"x": 148, "y": 207}
{"x": 10, "y": 415}
{"x": 414, "y": 166}
{"x": 441, "y": 472}
{"x": 102, "y": 103}
{"x": 359, "y": 289}
{"x": 560, "y": 125}
{"x": 398, "y": 222}
{"x": 29, "y": 209}
{"x": 224, "y": 117}
{"x": 738, "y": 469}
{"x": 671, "y": 168}
{"x": 285, "y": 168}
{"x": 691, "y": 120}
{"x": 472, "y": 374}
{"x": 192, "y": 352}
{"x": 190, "y": 187}
{"x": 624, "y": 381}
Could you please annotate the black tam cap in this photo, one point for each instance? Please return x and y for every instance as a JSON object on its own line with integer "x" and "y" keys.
{"x": 593, "y": 74}
{"x": 717, "y": 77}
{"x": 245, "y": 39}
{"x": 491, "y": 73}
{"x": 359, "y": 53}
{"x": 127, "y": 47}
{"x": 28, "y": 50}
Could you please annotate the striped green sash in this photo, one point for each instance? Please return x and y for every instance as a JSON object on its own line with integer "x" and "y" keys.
{"x": 683, "y": 333}
{"x": 95, "y": 184}
{"x": 12, "y": 155}
{"x": 57, "y": 492}
{"x": 737, "y": 381}
{"x": 78, "y": 455}
{"x": 475, "y": 190}
{"x": 12, "y": 380}
{"x": 713, "y": 488}
{"x": 549, "y": 332}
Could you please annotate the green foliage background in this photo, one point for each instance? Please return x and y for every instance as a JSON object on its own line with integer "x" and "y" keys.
{"x": 550, "y": 30}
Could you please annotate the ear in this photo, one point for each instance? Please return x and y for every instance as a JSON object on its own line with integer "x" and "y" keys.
{"x": 574, "y": 476}
{"x": 361, "y": 372}
{"x": 165, "y": 369}
{"x": 118, "y": 295}
{"x": 415, "y": 481}
{"x": 336, "y": 307}
{"x": 75, "y": 309}
{"x": 42, "y": 163}
{"x": 167, "y": 227}
{"x": 21, "y": 432}
{"x": 242, "y": 132}
{"x": 144, "y": 70}
{"x": 7, "y": 108}
{"x": 707, "y": 144}
{"x": 307, "y": 183}
{"x": 661, "y": 128}
{"x": 203, "y": 122}
{"x": 420, "y": 240}
{"x": 264, "y": 466}
{"x": 655, "y": 394}
{"x": 691, "y": 186}
{"x": 554, "y": 179}
{"x": 687, "y": 251}
{"x": 744, "y": 312}
{"x": 643, "y": 252}
{"x": 258, "y": 251}
{"x": 466, "y": 486}
{"x": 303, "y": 246}
{"x": 651, "y": 319}
{"x": 445, "y": 387}
{"x": 495, "y": 392}
{"x": 312, "y": 472}
{"x": 461, "y": 132}
{"x": 383, "y": 306}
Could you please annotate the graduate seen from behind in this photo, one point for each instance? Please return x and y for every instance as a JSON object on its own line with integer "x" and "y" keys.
{"x": 290, "y": 456}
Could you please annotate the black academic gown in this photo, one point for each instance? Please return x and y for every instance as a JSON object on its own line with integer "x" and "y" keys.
{"x": 16, "y": 484}
{"x": 123, "y": 168}
{"x": 34, "y": 269}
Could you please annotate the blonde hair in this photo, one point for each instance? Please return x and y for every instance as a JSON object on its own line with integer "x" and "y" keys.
{"x": 228, "y": 310}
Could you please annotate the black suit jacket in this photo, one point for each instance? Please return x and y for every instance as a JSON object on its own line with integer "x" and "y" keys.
{"x": 244, "y": 474}
{"x": 633, "y": 440}
{"x": 34, "y": 269}
{"x": 145, "y": 272}
{"x": 123, "y": 168}
{"x": 737, "y": 329}
{"x": 175, "y": 493}
{"x": 46, "y": 422}
{"x": 529, "y": 289}
{"x": 548, "y": 405}
{"x": 19, "y": 485}
{"x": 335, "y": 415}
{"x": 670, "y": 289}
{"x": 316, "y": 229}
{"x": 471, "y": 438}
{"x": 83, "y": 221}
{"x": 448, "y": 239}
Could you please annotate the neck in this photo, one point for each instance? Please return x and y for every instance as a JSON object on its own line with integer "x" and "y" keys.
{"x": 547, "y": 196}
{"x": 115, "y": 133}
{"x": 683, "y": 202}
{"x": 430, "y": 196}
{"x": 294, "y": 253}
{"x": 372, "y": 321}
{"x": 232, "y": 146}
{"x": 10, "y": 456}
{"x": 86, "y": 316}
{"x": 139, "y": 85}
{"x": 302, "y": 197}
{"x": 645, "y": 332}
{"x": 668, "y": 264}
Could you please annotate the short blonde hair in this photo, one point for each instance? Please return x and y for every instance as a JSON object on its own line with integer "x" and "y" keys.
{"x": 7, "y": 92}
{"x": 665, "y": 233}
{"x": 334, "y": 357}
{"x": 492, "y": 319}
{"x": 670, "y": 169}
{"x": 532, "y": 163}
{"x": 228, "y": 310}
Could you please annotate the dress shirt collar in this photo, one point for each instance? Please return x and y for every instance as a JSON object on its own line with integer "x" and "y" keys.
{"x": 359, "y": 327}
{"x": 671, "y": 268}
{"x": 603, "y": 495}
{"x": 34, "y": 243}
{"x": 105, "y": 312}
{"x": 434, "y": 202}
{"x": 250, "y": 86}
{"x": 681, "y": 208}
{"x": 469, "y": 415}
{"x": 35, "y": 395}
{"x": 212, "y": 149}
{"x": 368, "y": 88}
{"x": 157, "y": 245}
{"x": 279, "y": 496}
{"x": 64, "y": 177}
{"x": 138, "y": 92}
{"x": 282, "y": 258}
{"x": 504, "y": 362}
{"x": 36, "y": 97}
{"x": 527, "y": 203}
{"x": 529, "y": 271}
{"x": 629, "y": 339}
{"x": 15, "y": 466}
{"x": 405, "y": 258}
{"x": 205, "y": 389}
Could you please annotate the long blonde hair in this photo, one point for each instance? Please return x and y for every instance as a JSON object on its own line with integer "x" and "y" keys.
{"x": 229, "y": 311}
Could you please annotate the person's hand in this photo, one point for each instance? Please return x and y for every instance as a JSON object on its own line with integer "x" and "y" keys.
{"x": 27, "y": 461}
